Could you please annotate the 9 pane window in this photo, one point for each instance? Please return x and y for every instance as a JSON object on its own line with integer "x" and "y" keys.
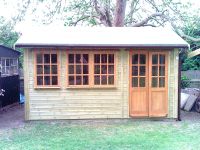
{"x": 47, "y": 69}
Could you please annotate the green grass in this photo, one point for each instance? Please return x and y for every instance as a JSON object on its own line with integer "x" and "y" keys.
{"x": 147, "y": 135}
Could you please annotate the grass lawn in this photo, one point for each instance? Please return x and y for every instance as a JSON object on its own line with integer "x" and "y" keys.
{"x": 103, "y": 134}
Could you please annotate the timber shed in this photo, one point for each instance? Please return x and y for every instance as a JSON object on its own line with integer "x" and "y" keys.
{"x": 83, "y": 73}
{"x": 9, "y": 76}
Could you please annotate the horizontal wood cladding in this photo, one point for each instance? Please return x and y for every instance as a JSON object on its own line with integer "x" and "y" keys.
{"x": 86, "y": 103}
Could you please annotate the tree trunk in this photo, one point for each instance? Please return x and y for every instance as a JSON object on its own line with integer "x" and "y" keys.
{"x": 119, "y": 13}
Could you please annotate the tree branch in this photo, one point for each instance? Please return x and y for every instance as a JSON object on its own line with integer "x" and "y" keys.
{"x": 183, "y": 35}
{"x": 146, "y": 20}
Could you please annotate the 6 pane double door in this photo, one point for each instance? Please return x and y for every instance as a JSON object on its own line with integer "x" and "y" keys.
{"x": 148, "y": 84}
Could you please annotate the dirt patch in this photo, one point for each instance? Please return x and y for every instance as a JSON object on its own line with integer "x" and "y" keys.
{"x": 12, "y": 117}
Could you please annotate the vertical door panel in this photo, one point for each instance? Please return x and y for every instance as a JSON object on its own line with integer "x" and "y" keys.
{"x": 158, "y": 84}
{"x": 139, "y": 84}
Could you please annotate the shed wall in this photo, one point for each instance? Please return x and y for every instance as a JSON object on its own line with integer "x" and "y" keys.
{"x": 65, "y": 103}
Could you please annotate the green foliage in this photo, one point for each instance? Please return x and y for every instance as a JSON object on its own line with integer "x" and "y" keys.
{"x": 185, "y": 82}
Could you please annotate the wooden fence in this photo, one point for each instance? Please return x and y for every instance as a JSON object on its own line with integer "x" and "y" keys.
{"x": 194, "y": 77}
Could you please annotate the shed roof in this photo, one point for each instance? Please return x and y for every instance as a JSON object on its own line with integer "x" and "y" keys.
{"x": 8, "y": 52}
{"x": 101, "y": 37}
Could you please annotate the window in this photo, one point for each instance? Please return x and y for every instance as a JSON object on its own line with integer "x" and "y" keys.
{"x": 104, "y": 67}
{"x": 46, "y": 64}
{"x": 78, "y": 69}
{"x": 8, "y": 66}
{"x": 94, "y": 69}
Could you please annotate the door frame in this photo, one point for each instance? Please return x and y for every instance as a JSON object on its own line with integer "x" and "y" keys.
{"x": 166, "y": 52}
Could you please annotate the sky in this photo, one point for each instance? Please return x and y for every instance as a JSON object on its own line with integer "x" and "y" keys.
{"x": 8, "y": 8}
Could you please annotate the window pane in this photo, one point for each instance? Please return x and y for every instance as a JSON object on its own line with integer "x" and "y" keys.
{"x": 78, "y": 80}
{"x": 142, "y": 59}
{"x": 78, "y": 58}
{"x": 85, "y": 69}
{"x": 111, "y": 80}
{"x": 54, "y": 80}
{"x": 155, "y": 59}
{"x": 134, "y": 82}
{"x": 97, "y": 58}
{"x": 39, "y": 80}
{"x": 134, "y": 70}
{"x": 85, "y": 58}
{"x": 162, "y": 82}
{"x": 53, "y": 58}
{"x": 46, "y": 58}
{"x": 78, "y": 69}
{"x": 162, "y": 70}
{"x": 39, "y": 69}
{"x": 104, "y": 58}
{"x": 135, "y": 59}
{"x": 111, "y": 69}
{"x": 39, "y": 58}
{"x": 162, "y": 59}
{"x": 154, "y": 70}
{"x": 104, "y": 69}
{"x": 71, "y": 69}
{"x": 97, "y": 69}
{"x": 46, "y": 69}
{"x": 11, "y": 62}
{"x": 71, "y": 58}
{"x": 142, "y": 70}
{"x": 54, "y": 69}
{"x": 3, "y": 62}
{"x": 71, "y": 80}
{"x": 97, "y": 80}
{"x": 46, "y": 80}
{"x": 154, "y": 82}
{"x": 7, "y": 62}
{"x": 142, "y": 82}
{"x": 85, "y": 80}
{"x": 15, "y": 62}
{"x": 111, "y": 58}
{"x": 103, "y": 80}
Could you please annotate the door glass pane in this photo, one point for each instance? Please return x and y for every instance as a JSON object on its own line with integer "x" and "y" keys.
{"x": 134, "y": 82}
{"x": 54, "y": 69}
{"x": 85, "y": 69}
{"x": 162, "y": 71}
{"x": 162, "y": 59}
{"x": 154, "y": 82}
{"x": 97, "y": 80}
{"x": 142, "y": 70}
{"x": 104, "y": 69}
{"x": 97, "y": 58}
{"x": 110, "y": 80}
{"x": 161, "y": 82}
{"x": 78, "y": 58}
{"x": 134, "y": 71}
{"x": 155, "y": 59}
{"x": 135, "y": 59}
{"x": 154, "y": 70}
{"x": 142, "y": 59}
{"x": 103, "y": 80}
{"x": 142, "y": 81}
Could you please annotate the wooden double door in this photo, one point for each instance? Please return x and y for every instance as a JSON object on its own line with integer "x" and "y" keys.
{"x": 148, "y": 84}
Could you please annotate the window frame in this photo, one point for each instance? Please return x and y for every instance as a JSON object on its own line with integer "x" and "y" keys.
{"x": 91, "y": 64}
{"x": 46, "y": 51}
